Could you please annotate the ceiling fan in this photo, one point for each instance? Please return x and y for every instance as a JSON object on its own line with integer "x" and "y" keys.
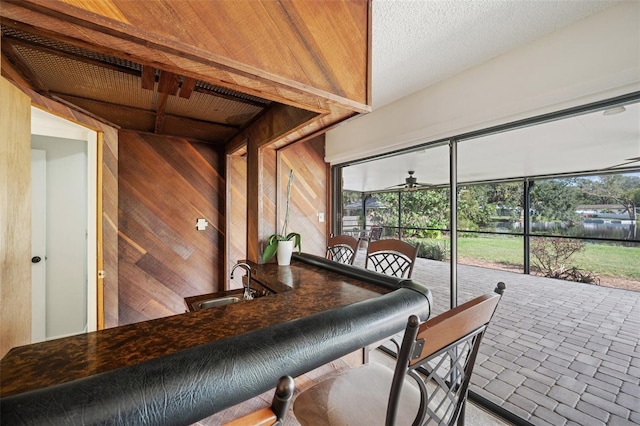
{"x": 410, "y": 184}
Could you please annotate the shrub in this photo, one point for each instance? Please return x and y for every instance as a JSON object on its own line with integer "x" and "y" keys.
{"x": 432, "y": 249}
{"x": 551, "y": 257}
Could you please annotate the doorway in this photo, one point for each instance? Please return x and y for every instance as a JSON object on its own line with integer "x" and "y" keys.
{"x": 71, "y": 234}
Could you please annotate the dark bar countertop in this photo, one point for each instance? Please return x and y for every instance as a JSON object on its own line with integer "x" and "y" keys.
{"x": 302, "y": 289}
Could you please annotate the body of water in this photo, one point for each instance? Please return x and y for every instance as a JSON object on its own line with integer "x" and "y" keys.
{"x": 591, "y": 228}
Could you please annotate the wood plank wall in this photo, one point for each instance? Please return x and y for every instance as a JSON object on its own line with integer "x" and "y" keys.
{"x": 309, "y": 192}
{"x": 165, "y": 184}
{"x": 15, "y": 218}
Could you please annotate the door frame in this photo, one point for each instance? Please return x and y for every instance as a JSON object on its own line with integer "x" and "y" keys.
{"x": 46, "y": 124}
{"x": 38, "y": 245}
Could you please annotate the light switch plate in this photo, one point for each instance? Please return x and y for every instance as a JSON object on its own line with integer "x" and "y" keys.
{"x": 320, "y": 217}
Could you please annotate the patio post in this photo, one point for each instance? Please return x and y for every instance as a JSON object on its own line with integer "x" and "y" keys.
{"x": 527, "y": 223}
{"x": 399, "y": 215}
{"x": 453, "y": 219}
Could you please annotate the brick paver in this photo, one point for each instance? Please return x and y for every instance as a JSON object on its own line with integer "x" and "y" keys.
{"x": 556, "y": 352}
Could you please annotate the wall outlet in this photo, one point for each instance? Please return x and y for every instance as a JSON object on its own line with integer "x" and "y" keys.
{"x": 320, "y": 217}
{"x": 201, "y": 224}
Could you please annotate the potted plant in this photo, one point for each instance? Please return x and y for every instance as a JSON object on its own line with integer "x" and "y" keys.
{"x": 283, "y": 243}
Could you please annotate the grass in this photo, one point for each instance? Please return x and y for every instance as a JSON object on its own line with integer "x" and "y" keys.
{"x": 601, "y": 259}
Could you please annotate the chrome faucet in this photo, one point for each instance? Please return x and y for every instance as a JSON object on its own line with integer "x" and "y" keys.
{"x": 247, "y": 290}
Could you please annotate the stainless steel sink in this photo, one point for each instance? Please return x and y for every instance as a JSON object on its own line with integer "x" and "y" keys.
{"x": 226, "y": 300}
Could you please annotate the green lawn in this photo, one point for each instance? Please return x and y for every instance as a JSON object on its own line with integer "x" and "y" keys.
{"x": 601, "y": 259}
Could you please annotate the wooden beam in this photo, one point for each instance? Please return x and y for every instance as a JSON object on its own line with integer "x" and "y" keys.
{"x": 163, "y": 98}
{"x": 9, "y": 52}
{"x": 148, "y": 77}
{"x": 254, "y": 205}
{"x": 169, "y": 83}
{"x": 75, "y": 107}
{"x": 70, "y": 98}
{"x": 188, "y": 84}
{"x": 10, "y": 72}
{"x": 274, "y": 124}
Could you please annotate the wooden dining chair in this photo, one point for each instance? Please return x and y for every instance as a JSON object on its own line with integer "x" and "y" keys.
{"x": 276, "y": 413}
{"x": 430, "y": 381}
{"x": 342, "y": 248}
{"x": 391, "y": 257}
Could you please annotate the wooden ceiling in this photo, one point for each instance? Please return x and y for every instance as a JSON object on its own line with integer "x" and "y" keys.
{"x": 202, "y": 70}
{"x": 125, "y": 93}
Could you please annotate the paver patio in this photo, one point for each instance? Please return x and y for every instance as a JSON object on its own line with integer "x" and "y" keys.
{"x": 557, "y": 352}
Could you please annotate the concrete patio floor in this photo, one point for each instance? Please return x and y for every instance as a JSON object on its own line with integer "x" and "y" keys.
{"x": 557, "y": 352}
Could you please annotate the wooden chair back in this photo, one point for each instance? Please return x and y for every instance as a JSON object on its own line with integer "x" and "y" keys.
{"x": 342, "y": 248}
{"x": 443, "y": 351}
{"x": 391, "y": 257}
{"x": 375, "y": 233}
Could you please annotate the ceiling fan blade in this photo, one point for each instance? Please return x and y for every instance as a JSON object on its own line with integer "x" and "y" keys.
{"x": 399, "y": 186}
{"x": 627, "y": 161}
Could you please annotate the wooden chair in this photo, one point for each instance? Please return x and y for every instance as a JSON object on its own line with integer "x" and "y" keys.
{"x": 275, "y": 414}
{"x": 391, "y": 257}
{"x": 430, "y": 381}
{"x": 372, "y": 234}
{"x": 342, "y": 248}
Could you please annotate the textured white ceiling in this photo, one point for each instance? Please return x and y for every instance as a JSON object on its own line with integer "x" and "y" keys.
{"x": 582, "y": 143}
{"x": 417, "y": 43}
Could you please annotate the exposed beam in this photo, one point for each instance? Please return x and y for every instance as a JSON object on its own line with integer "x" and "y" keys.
{"x": 169, "y": 83}
{"x": 163, "y": 98}
{"x": 10, "y": 72}
{"x": 23, "y": 68}
{"x": 70, "y": 98}
{"x": 275, "y": 123}
{"x": 148, "y": 77}
{"x": 188, "y": 84}
{"x": 75, "y": 107}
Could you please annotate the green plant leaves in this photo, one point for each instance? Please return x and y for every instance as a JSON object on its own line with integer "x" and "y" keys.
{"x": 272, "y": 244}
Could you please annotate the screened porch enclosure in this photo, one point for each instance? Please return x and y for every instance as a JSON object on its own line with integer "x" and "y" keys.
{"x": 549, "y": 205}
{"x": 566, "y": 185}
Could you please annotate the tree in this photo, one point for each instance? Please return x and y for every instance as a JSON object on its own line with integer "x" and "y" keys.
{"x": 613, "y": 189}
{"x": 555, "y": 199}
{"x": 474, "y": 210}
{"x": 506, "y": 197}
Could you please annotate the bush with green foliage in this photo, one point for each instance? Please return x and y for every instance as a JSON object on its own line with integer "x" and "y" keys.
{"x": 434, "y": 249}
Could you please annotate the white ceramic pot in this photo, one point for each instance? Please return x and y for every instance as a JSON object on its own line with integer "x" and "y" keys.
{"x": 285, "y": 250}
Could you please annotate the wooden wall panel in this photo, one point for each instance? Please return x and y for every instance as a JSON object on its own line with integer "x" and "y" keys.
{"x": 15, "y": 217}
{"x": 269, "y": 195}
{"x": 309, "y": 192}
{"x": 110, "y": 224}
{"x": 109, "y": 196}
{"x": 165, "y": 184}
{"x": 236, "y": 212}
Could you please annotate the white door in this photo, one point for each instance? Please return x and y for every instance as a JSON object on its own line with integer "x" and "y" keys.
{"x": 38, "y": 245}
